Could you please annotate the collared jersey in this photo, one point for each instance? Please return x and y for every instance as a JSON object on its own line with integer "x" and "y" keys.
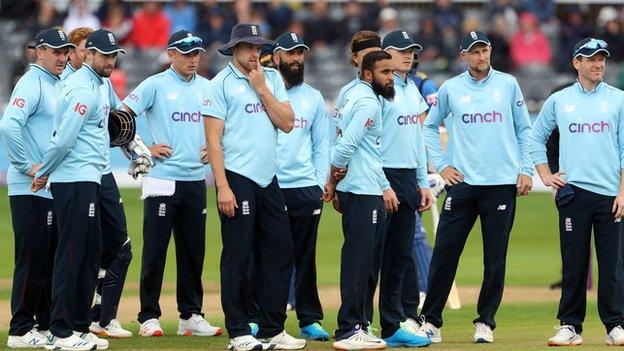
{"x": 249, "y": 137}
{"x": 69, "y": 69}
{"x": 591, "y": 142}
{"x": 358, "y": 144}
{"x": 402, "y": 141}
{"x": 79, "y": 149}
{"x": 489, "y": 128}
{"x": 303, "y": 154}
{"x": 26, "y": 127}
{"x": 173, "y": 109}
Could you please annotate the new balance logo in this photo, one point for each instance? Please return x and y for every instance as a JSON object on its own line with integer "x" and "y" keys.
{"x": 316, "y": 212}
{"x": 162, "y": 210}
{"x": 569, "y": 108}
{"x": 49, "y": 218}
{"x": 374, "y": 216}
{"x": 447, "y": 203}
{"x": 568, "y": 224}
{"x": 92, "y": 210}
{"x": 502, "y": 207}
{"x": 245, "y": 208}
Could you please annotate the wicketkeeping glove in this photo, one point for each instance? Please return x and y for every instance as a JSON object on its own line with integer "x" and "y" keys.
{"x": 139, "y": 155}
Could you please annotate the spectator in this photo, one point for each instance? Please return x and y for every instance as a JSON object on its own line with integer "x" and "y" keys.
{"x": 388, "y": 21}
{"x": 505, "y": 8}
{"x": 104, "y": 10}
{"x": 499, "y": 37}
{"x": 150, "y": 27}
{"x": 544, "y": 10}
{"x": 573, "y": 29}
{"x": 529, "y": 46}
{"x": 214, "y": 28}
{"x": 447, "y": 14}
{"x": 429, "y": 38}
{"x": 242, "y": 10}
{"x": 182, "y": 16}
{"x": 117, "y": 22}
{"x": 352, "y": 22}
{"x": 46, "y": 18}
{"x": 612, "y": 32}
{"x": 279, "y": 16}
{"x": 320, "y": 29}
{"x": 78, "y": 16}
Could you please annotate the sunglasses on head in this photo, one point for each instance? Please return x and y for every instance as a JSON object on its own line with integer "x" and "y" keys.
{"x": 188, "y": 41}
{"x": 593, "y": 44}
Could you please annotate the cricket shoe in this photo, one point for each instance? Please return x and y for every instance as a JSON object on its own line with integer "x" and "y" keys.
{"x": 101, "y": 344}
{"x": 483, "y": 334}
{"x": 359, "y": 339}
{"x": 282, "y": 341}
{"x": 433, "y": 333}
{"x": 112, "y": 330}
{"x": 404, "y": 338}
{"x": 566, "y": 336}
{"x": 411, "y": 326}
{"x": 151, "y": 327}
{"x": 197, "y": 326}
{"x": 244, "y": 343}
{"x": 31, "y": 340}
{"x": 314, "y": 331}
{"x": 616, "y": 336}
{"x": 70, "y": 343}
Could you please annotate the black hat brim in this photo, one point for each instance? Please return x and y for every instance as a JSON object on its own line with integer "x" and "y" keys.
{"x": 482, "y": 41}
{"x": 107, "y": 51}
{"x": 58, "y": 46}
{"x": 593, "y": 53}
{"x": 227, "y": 48}
{"x": 195, "y": 48}
{"x": 413, "y": 45}
{"x": 278, "y": 47}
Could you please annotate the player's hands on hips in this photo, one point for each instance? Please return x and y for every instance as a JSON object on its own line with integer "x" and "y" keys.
{"x": 618, "y": 206}
{"x": 555, "y": 180}
{"x": 451, "y": 176}
{"x": 525, "y": 184}
{"x": 226, "y": 201}
{"x": 391, "y": 202}
{"x": 256, "y": 77}
{"x": 33, "y": 169}
{"x": 426, "y": 200}
{"x": 203, "y": 154}
{"x": 161, "y": 151}
{"x": 38, "y": 183}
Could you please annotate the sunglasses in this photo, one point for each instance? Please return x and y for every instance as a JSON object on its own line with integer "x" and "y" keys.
{"x": 186, "y": 42}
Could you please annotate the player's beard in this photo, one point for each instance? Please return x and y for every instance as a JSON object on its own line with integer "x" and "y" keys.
{"x": 386, "y": 92}
{"x": 103, "y": 72}
{"x": 293, "y": 78}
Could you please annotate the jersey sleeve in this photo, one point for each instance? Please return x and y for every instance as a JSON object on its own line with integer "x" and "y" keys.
{"x": 358, "y": 127}
{"x": 320, "y": 142}
{"x": 431, "y": 130}
{"x": 542, "y": 128}
{"x": 522, "y": 126}
{"x": 279, "y": 88}
{"x": 141, "y": 98}
{"x": 215, "y": 105}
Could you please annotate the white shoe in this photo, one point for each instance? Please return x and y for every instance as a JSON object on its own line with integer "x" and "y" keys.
{"x": 31, "y": 340}
{"x": 101, "y": 344}
{"x": 483, "y": 333}
{"x": 360, "y": 340}
{"x": 413, "y": 327}
{"x": 434, "y": 334}
{"x": 151, "y": 327}
{"x": 283, "y": 341}
{"x": 112, "y": 330}
{"x": 616, "y": 336}
{"x": 70, "y": 343}
{"x": 565, "y": 336}
{"x": 244, "y": 343}
{"x": 198, "y": 326}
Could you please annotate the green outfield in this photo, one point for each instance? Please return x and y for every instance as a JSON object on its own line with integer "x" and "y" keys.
{"x": 525, "y": 322}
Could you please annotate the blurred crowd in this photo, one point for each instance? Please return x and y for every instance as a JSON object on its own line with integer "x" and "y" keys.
{"x": 527, "y": 35}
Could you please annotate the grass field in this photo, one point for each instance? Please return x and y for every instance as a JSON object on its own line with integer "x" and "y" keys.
{"x": 533, "y": 261}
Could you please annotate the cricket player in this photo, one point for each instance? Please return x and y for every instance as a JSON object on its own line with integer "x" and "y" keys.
{"x": 360, "y": 196}
{"x": 74, "y": 162}
{"x": 303, "y": 165}
{"x": 247, "y": 105}
{"x": 404, "y": 162}
{"x": 487, "y": 164}
{"x": 116, "y": 249}
{"x": 174, "y": 193}
{"x": 590, "y": 190}
{"x": 25, "y": 131}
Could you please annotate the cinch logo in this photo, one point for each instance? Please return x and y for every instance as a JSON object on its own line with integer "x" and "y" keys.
{"x": 80, "y": 108}
{"x": 301, "y": 123}
{"x": 19, "y": 102}
{"x": 257, "y": 107}
{"x": 598, "y": 127}
{"x": 407, "y": 120}
{"x": 489, "y": 117}
{"x": 186, "y": 116}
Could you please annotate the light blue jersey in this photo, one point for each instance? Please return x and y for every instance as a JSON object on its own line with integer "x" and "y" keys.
{"x": 333, "y": 123}
{"x": 303, "y": 154}
{"x": 79, "y": 150}
{"x": 26, "y": 127}
{"x": 357, "y": 146}
{"x": 591, "y": 129}
{"x": 173, "y": 109}
{"x": 402, "y": 141}
{"x": 489, "y": 129}
{"x": 114, "y": 103}
{"x": 249, "y": 137}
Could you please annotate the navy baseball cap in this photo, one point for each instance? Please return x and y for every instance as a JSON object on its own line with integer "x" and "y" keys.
{"x": 589, "y": 47}
{"x": 289, "y": 41}
{"x": 185, "y": 42}
{"x": 244, "y": 33}
{"x": 103, "y": 41}
{"x": 53, "y": 38}
{"x": 399, "y": 40}
{"x": 472, "y": 38}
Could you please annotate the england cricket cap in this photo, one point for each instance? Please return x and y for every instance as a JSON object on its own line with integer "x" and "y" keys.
{"x": 53, "y": 38}
{"x": 184, "y": 42}
{"x": 472, "y": 38}
{"x": 104, "y": 42}
{"x": 399, "y": 40}
{"x": 289, "y": 41}
{"x": 244, "y": 33}
{"x": 589, "y": 47}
